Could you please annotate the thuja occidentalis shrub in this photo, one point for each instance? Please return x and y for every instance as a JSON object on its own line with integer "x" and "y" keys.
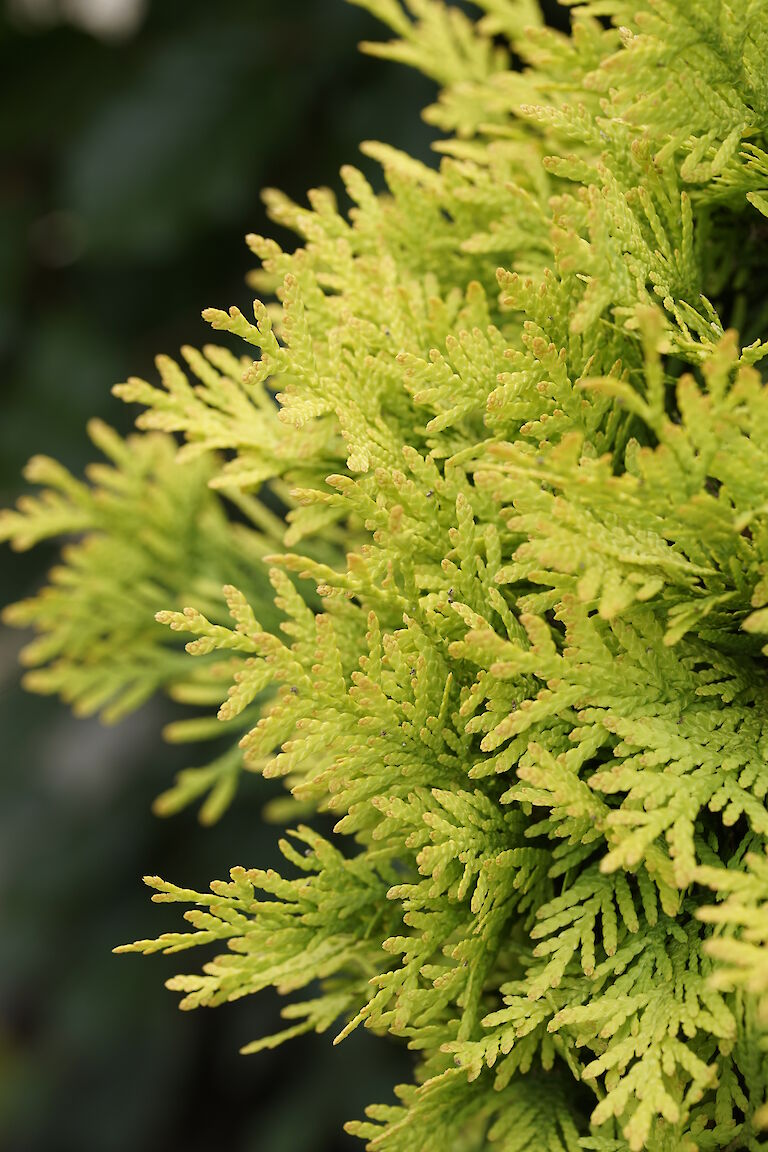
{"x": 487, "y": 494}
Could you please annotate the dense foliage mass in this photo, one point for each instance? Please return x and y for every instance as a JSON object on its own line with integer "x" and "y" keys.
{"x": 516, "y": 647}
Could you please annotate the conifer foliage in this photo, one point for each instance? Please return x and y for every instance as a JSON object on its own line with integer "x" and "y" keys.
{"x": 495, "y": 593}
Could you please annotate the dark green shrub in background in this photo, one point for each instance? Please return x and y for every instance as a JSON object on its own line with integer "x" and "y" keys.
{"x": 510, "y": 505}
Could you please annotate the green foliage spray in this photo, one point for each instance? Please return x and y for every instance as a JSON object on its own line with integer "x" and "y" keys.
{"x": 495, "y": 588}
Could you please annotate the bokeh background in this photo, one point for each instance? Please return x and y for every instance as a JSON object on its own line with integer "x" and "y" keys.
{"x": 134, "y": 139}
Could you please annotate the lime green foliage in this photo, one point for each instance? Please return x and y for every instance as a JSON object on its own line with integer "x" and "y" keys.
{"x": 745, "y": 906}
{"x": 522, "y": 434}
{"x": 147, "y": 529}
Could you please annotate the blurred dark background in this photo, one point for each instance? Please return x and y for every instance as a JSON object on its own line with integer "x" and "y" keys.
{"x": 134, "y": 140}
